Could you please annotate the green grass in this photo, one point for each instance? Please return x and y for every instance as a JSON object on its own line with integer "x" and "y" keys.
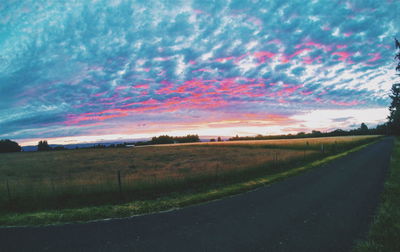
{"x": 384, "y": 234}
{"x": 172, "y": 200}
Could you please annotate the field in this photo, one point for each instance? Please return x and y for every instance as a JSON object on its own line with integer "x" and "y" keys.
{"x": 77, "y": 178}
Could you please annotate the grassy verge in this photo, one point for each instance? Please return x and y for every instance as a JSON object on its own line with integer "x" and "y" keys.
{"x": 384, "y": 234}
{"x": 172, "y": 201}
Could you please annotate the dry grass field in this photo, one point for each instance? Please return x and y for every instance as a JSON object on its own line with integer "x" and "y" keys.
{"x": 301, "y": 143}
{"x": 74, "y": 178}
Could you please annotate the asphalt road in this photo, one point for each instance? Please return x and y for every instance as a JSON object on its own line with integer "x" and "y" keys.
{"x": 325, "y": 209}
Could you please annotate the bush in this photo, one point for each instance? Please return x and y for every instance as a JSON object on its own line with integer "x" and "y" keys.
{"x": 7, "y": 145}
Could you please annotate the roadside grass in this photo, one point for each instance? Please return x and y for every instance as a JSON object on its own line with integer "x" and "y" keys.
{"x": 171, "y": 199}
{"x": 384, "y": 234}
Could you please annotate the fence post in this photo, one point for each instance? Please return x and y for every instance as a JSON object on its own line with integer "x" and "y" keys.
{"x": 276, "y": 159}
{"x": 119, "y": 183}
{"x": 8, "y": 190}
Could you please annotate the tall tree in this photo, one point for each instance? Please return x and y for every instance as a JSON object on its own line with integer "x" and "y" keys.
{"x": 43, "y": 146}
{"x": 7, "y": 145}
{"x": 397, "y": 44}
{"x": 394, "y": 116}
{"x": 363, "y": 128}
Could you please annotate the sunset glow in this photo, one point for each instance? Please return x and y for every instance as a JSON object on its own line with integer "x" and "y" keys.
{"x": 84, "y": 71}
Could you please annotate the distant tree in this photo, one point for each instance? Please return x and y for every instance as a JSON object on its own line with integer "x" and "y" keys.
{"x": 43, "y": 146}
{"x": 212, "y": 140}
{"x": 337, "y": 132}
{"x": 235, "y": 138}
{"x": 363, "y": 128}
{"x": 7, "y": 145}
{"x": 316, "y": 133}
{"x": 219, "y": 139}
{"x": 187, "y": 139}
{"x": 165, "y": 139}
{"x": 382, "y": 129}
{"x": 258, "y": 137}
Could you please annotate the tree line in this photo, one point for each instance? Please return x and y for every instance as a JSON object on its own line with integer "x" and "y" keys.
{"x": 165, "y": 139}
{"x": 381, "y": 129}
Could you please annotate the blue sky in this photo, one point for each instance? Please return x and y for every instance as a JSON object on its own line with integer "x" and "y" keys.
{"x": 73, "y": 71}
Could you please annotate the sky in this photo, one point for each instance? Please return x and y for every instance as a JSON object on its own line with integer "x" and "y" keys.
{"x": 81, "y": 71}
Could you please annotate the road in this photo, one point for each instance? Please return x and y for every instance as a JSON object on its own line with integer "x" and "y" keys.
{"x": 324, "y": 209}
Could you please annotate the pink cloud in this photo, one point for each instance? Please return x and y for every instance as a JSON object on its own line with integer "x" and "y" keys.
{"x": 289, "y": 90}
{"x": 275, "y": 41}
{"x": 122, "y": 87}
{"x": 198, "y": 12}
{"x": 326, "y": 28}
{"x": 263, "y": 55}
{"x": 83, "y": 117}
{"x": 225, "y": 59}
{"x": 143, "y": 86}
{"x": 150, "y": 101}
{"x": 385, "y": 46}
{"x": 344, "y": 56}
{"x": 162, "y": 58}
{"x": 376, "y": 56}
{"x": 255, "y": 21}
{"x": 161, "y": 73}
{"x": 238, "y": 59}
{"x": 352, "y": 103}
{"x": 306, "y": 93}
{"x": 202, "y": 70}
{"x": 100, "y": 94}
{"x": 309, "y": 60}
{"x": 299, "y": 52}
{"x": 325, "y": 48}
{"x": 286, "y": 58}
{"x": 341, "y": 46}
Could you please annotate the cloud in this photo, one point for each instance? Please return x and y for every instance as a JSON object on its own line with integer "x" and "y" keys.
{"x": 97, "y": 64}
